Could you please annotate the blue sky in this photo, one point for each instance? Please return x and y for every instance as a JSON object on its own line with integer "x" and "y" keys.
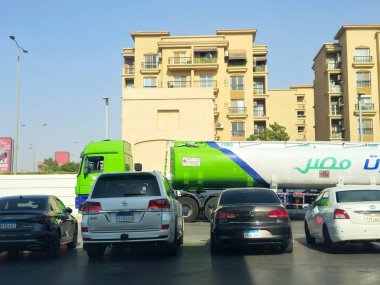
{"x": 75, "y": 57}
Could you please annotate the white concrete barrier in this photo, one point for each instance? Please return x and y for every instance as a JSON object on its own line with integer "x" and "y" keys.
{"x": 60, "y": 185}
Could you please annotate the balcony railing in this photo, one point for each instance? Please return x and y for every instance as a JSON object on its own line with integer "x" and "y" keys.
{"x": 337, "y": 134}
{"x": 258, "y": 130}
{"x": 258, "y": 89}
{"x": 259, "y": 68}
{"x": 362, "y": 59}
{"x": 179, "y": 84}
{"x": 236, "y": 63}
{"x": 334, "y": 65}
{"x": 204, "y": 60}
{"x": 258, "y": 113}
{"x": 205, "y": 83}
{"x": 179, "y": 60}
{"x": 237, "y": 87}
{"x": 363, "y": 83}
{"x": 149, "y": 65}
{"x": 336, "y": 88}
{"x": 129, "y": 69}
{"x": 365, "y": 107}
{"x": 237, "y": 110}
{"x": 367, "y": 131}
{"x": 238, "y": 134}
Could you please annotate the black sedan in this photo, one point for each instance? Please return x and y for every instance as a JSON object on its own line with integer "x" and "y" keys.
{"x": 36, "y": 222}
{"x": 245, "y": 216}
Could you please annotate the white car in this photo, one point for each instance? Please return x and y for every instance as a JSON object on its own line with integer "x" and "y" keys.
{"x": 129, "y": 208}
{"x": 344, "y": 214}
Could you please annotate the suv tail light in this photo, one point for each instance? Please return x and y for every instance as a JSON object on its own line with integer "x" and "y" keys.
{"x": 225, "y": 215}
{"x": 340, "y": 214}
{"x": 91, "y": 207}
{"x": 159, "y": 204}
{"x": 278, "y": 214}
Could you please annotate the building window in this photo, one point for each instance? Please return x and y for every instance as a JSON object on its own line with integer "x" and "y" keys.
{"x": 365, "y": 104}
{"x": 258, "y": 108}
{"x": 180, "y": 58}
{"x": 259, "y": 127}
{"x": 150, "y": 82}
{"x": 301, "y": 114}
{"x": 238, "y": 129}
{"x": 150, "y": 61}
{"x": 362, "y": 55}
{"x": 363, "y": 79}
{"x": 337, "y": 130}
{"x": 129, "y": 84}
{"x": 206, "y": 80}
{"x": 367, "y": 127}
{"x": 237, "y": 83}
{"x": 180, "y": 81}
{"x": 300, "y": 99}
{"x": 237, "y": 107}
{"x": 301, "y": 129}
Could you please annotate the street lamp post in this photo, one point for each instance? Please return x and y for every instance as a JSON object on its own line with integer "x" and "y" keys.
{"x": 360, "y": 116}
{"x": 34, "y": 141}
{"x": 107, "y": 117}
{"x": 19, "y": 50}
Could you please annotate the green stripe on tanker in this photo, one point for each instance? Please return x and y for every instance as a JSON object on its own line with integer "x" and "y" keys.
{"x": 196, "y": 166}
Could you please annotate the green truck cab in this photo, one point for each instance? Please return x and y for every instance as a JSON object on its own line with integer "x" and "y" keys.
{"x": 98, "y": 157}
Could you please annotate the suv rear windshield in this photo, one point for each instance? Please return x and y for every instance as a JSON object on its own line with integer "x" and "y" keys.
{"x": 249, "y": 197}
{"x": 357, "y": 196}
{"x": 111, "y": 186}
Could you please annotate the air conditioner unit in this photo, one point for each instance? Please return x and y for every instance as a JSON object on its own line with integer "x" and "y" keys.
{"x": 339, "y": 77}
{"x": 338, "y": 58}
{"x": 340, "y": 123}
{"x": 159, "y": 55}
{"x": 255, "y": 103}
{"x": 219, "y": 125}
{"x": 226, "y": 53}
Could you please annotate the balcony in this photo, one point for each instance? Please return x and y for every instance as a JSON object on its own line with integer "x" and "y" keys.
{"x": 336, "y": 110}
{"x": 367, "y": 109}
{"x": 363, "y": 61}
{"x": 237, "y": 112}
{"x": 129, "y": 71}
{"x": 258, "y": 89}
{"x": 184, "y": 63}
{"x": 205, "y": 83}
{"x": 258, "y": 113}
{"x": 260, "y": 68}
{"x": 335, "y": 88}
{"x": 236, "y": 66}
{"x": 149, "y": 68}
{"x": 179, "y": 84}
{"x": 334, "y": 65}
{"x": 337, "y": 135}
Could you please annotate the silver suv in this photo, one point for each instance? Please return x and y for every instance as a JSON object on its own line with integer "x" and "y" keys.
{"x": 129, "y": 208}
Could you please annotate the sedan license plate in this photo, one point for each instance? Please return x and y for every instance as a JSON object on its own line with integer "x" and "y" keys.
{"x": 124, "y": 217}
{"x": 372, "y": 218}
{"x": 7, "y": 225}
{"x": 252, "y": 234}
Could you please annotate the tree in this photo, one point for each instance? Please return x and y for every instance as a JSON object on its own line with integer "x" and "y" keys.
{"x": 71, "y": 167}
{"x": 275, "y": 132}
{"x": 49, "y": 165}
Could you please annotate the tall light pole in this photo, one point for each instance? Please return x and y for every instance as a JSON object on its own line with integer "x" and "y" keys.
{"x": 107, "y": 117}
{"x": 19, "y": 50}
{"x": 34, "y": 141}
{"x": 360, "y": 116}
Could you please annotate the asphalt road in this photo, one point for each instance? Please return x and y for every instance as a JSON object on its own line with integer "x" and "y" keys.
{"x": 195, "y": 265}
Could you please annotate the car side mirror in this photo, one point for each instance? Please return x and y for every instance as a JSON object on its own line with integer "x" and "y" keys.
{"x": 177, "y": 193}
{"x": 85, "y": 167}
{"x": 69, "y": 210}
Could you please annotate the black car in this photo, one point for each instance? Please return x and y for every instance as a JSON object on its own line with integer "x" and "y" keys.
{"x": 245, "y": 216}
{"x": 36, "y": 222}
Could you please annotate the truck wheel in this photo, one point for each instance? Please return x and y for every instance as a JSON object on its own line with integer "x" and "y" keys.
{"x": 190, "y": 209}
{"x": 209, "y": 207}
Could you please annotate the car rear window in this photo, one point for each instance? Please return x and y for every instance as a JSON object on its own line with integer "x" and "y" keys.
{"x": 249, "y": 197}
{"x": 357, "y": 196}
{"x": 23, "y": 204}
{"x": 125, "y": 185}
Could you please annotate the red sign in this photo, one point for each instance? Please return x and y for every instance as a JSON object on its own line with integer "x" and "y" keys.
{"x": 6, "y": 152}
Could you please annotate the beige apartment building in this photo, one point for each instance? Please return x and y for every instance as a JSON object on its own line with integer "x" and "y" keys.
{"x": 211, "y": 87}
{"x": 347, "y": 75}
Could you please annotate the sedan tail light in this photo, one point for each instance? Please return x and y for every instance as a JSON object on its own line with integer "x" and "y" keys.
{"x": 225, "y": 215}
{"x": 340, "y": 214}
{"x": 278, "y": 214}
{"x": 159, "y": 204}
{"x": 91, "y": 207}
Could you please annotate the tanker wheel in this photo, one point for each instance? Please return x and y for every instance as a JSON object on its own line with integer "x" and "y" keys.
{"x": 190, "y": 209}
{"x": 209, "y": 207}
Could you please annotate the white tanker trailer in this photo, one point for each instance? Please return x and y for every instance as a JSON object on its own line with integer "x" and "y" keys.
{"x": 202, "y": 169}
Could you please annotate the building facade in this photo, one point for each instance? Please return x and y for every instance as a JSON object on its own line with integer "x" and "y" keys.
{"x": 346, "y": 86}
{"x": 230, "y": 67}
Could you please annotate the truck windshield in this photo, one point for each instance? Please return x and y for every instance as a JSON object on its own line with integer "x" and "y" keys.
{"x": 124, "y": 185}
